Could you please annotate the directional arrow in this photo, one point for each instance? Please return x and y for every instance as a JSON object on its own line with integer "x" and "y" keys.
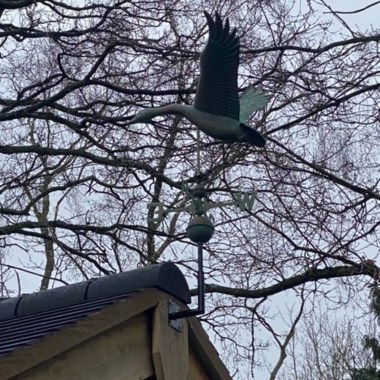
{"x": 243, "y": 200}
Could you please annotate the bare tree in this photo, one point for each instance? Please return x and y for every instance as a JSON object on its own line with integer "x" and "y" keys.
{"x": 329, "y": 346}
{"x": 76, "y": 179}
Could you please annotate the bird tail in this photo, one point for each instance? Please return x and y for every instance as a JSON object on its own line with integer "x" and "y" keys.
{"x": 252, "y": 136}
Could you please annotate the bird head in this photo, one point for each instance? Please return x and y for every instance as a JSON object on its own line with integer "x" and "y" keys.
{"x": 143, "y": 116}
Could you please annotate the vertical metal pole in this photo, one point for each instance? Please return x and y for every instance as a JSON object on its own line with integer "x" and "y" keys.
{"x": 201, "y": 291}
{"x": 198, "y": 153}
{"x": 201, "y": 280}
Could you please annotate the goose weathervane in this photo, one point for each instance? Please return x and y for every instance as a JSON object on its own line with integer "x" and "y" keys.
{"x": 218, "y": 109}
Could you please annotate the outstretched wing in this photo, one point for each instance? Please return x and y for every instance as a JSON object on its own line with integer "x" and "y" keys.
{"x": 217, "y": 91}
{"x": 251, "y": 100}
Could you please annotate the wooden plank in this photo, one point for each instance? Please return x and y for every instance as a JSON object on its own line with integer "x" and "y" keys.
{"x": 121, "y": 353}
{"x": 205, "y": 352}
{"x": 170, "y": 348}
{"x": 196, "y": 370}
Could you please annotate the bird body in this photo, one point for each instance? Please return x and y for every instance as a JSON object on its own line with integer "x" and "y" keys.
{"x": 218, "y": 110}
{"x": 220, "y": 127}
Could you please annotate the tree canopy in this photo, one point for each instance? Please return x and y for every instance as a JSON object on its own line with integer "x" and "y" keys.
{"x": 77, "y": 180}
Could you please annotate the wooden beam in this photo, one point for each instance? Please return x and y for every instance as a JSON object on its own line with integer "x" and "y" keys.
{"x": 205, "y": 352}
{"x": 170, "y": 348}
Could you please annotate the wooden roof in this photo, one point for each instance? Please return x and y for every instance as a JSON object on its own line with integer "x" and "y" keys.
{"x": 46, "y": 333}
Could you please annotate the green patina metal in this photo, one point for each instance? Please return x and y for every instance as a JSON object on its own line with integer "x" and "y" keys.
{"x": 218, "y": 109}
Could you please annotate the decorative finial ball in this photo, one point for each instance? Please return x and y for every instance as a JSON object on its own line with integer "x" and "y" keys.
{"x": 199, "y": 192}
{"x": 200, "y": 229}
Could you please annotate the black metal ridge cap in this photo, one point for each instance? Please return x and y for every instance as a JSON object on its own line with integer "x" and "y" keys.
{"x": 165, "y": 276}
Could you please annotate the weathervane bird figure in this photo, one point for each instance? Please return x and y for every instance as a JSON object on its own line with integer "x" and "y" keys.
{"x": 218, "y": 109}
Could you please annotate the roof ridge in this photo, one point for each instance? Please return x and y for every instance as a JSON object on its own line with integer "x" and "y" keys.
{"x": 164, "y": 276}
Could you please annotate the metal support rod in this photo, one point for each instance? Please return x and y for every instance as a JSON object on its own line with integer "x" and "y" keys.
{"x": 201, "y": 280}
{"x": 201, "y": 291}
{"x": 198, "y": 153}
{"x": 199, "y": 240}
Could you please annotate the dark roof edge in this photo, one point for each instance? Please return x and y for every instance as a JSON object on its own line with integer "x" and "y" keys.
{"x": 165, "y": 276}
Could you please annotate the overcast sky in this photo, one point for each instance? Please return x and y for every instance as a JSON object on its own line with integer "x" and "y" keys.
{"x": 364, "y": 19}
